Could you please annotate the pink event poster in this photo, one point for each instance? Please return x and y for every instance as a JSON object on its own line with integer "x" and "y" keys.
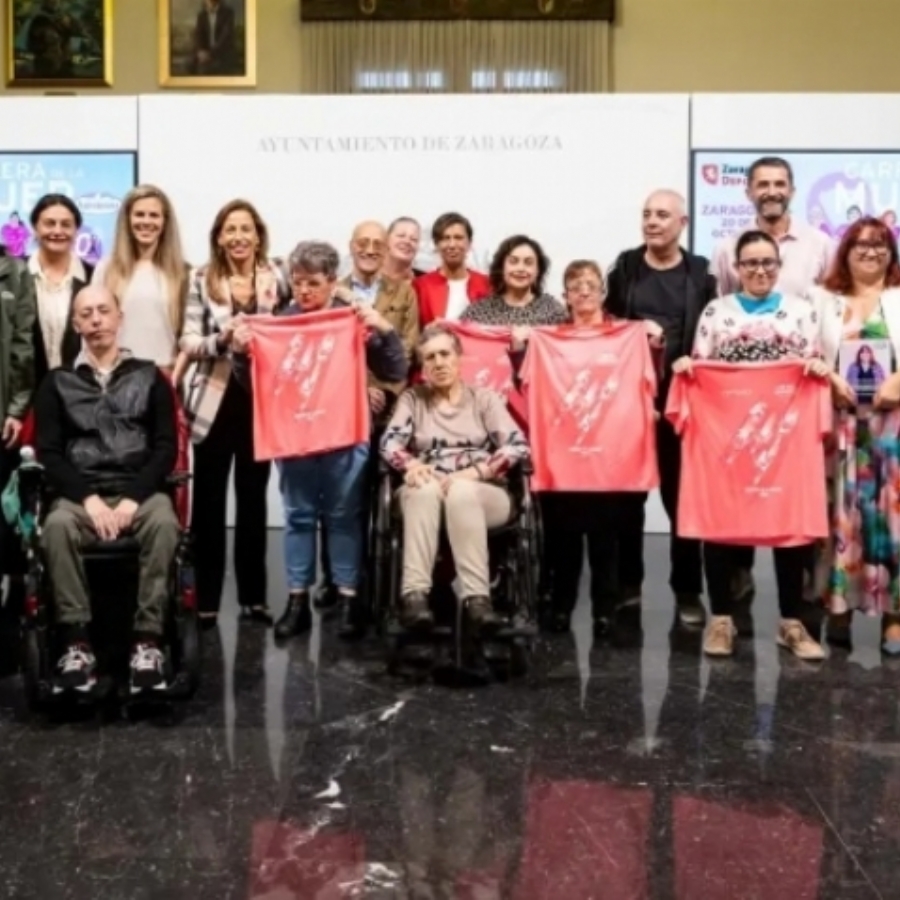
{"x": 833, "y": 189}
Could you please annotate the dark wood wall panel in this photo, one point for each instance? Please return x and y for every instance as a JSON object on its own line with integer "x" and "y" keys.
{"x": 413, "y": 10}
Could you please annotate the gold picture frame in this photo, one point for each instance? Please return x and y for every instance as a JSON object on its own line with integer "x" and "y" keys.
{"x": 187, "y": 56}
{"x": 59, "y": 43}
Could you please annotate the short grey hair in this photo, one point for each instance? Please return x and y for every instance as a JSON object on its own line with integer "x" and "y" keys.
{"x": 436, "y": 330}
{"x": 315, "y": 257}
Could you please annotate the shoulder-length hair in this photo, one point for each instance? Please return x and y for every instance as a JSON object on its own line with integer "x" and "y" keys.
{"x": 839, "y": 280}
{"x": 168, "y": 256}
{"x": 217, "y": 268}
{"x": 498, "y": 281}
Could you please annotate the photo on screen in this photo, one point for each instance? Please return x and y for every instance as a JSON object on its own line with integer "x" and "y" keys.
{"x": 97, "y": 181}
{"x": 834, "y": 188}
{"x": 864, "y": 365}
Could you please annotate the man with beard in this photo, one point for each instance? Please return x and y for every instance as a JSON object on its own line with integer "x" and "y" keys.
{"x": 661, "y": 282}
{"x": 806, "y": 254}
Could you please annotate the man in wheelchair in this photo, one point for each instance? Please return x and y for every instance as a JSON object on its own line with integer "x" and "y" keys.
{"x": 106, "y": 437}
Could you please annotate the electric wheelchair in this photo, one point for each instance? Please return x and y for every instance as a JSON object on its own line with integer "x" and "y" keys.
{"x": 514, "y": 554}
{"x": 111, "y": 568}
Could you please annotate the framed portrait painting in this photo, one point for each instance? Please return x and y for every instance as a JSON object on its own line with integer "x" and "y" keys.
{"x": 59, "y": 43}
{"x": 207, "y": 43}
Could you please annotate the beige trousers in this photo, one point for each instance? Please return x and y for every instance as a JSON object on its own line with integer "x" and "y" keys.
{"x": 470, "y": 508}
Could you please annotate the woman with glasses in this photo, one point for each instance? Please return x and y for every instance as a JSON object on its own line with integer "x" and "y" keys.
{"x": 755, "y": 325}
{"x": 859, "y": 308}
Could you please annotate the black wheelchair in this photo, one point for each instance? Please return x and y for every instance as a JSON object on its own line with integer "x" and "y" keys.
{"x": 514, "y": 553}
{"x": 111, "y": 568}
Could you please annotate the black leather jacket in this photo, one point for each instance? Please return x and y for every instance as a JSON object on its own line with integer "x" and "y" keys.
{"x": 112, "y": 437}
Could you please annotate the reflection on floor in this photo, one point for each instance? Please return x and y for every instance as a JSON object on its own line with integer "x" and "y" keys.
{"x": 305, "y": 772}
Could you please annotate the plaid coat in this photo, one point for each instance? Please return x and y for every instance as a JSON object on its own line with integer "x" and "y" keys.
{"x": 204, "y": 320}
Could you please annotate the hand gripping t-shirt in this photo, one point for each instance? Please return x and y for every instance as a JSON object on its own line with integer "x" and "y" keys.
{"x": 590, "y": 408}
{"x": 752, "y": 464}
{"x": 309, "y": 383}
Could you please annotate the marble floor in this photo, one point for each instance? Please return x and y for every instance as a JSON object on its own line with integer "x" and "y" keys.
{"x": 306, "y": 773}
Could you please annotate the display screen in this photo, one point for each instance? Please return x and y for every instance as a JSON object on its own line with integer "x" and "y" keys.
{"x": 96, "y": 181}
{"x": 832, "y": 190}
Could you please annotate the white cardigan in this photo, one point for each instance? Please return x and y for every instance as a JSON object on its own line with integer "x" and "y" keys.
{"x": 830, "y": 310}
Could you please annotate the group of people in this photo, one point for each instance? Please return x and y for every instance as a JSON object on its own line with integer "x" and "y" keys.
{"x": 101, "y": 362}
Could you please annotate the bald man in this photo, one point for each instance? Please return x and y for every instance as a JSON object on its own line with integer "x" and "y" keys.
{"x": 107, "y": 440}
{"x": 666, "y": 284}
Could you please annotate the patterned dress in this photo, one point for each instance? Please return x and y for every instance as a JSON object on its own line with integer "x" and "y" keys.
{"x": 864, "y": 493}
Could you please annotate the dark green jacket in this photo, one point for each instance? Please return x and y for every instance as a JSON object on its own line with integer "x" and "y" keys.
{"x": 18, "y": 310}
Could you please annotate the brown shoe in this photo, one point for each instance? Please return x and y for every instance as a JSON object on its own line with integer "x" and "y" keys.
{"x": 793, "y": 636}
{"x": 719, "y": 638}
{"x": 414, "y": 612}
{"x": 481, "y": 614}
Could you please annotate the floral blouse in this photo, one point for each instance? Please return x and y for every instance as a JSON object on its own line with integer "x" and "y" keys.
{"x": 478, "y": 430}
{"x": 728, "y": 333}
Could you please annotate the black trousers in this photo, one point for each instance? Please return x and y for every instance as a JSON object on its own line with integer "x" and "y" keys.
{"x": 230, "y": 440}
{"x": 569, "y": 517}
{"x": 686, "y": 573}
{"x": 721, "y": 560}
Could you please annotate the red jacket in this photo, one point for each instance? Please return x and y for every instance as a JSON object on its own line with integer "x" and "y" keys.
{"x": 432, "y": 291}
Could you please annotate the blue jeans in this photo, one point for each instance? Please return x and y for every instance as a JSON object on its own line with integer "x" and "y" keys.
{"x": 329, "y": 486}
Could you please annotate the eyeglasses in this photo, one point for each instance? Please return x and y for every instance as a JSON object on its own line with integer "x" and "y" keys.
{"x": 876, "y": 247}
{"x": 591, "y": 287}
{"x": 751, "y": 265}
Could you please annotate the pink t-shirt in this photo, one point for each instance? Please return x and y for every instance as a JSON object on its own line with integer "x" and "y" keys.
{"x": 753, "y": 464}
{"x": 486, "y": 364}
{"x": 309, "y": 383}
{"x": 590, "y": 397}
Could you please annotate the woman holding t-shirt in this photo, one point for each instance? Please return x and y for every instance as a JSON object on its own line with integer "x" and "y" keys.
{"x": 757, "y": 325}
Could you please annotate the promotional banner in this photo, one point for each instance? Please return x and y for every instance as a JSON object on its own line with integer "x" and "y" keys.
{"x": 97, "y": 182}
{"x": 833, "y": 190}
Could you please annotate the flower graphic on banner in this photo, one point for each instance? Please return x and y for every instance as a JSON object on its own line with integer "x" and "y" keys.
{"x": 301, "y": 370}
{"x": 836, "y": 200}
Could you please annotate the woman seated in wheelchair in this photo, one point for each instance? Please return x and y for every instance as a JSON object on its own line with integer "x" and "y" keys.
{"x": 454, "y": 444}
{"x": 106, "y": 437}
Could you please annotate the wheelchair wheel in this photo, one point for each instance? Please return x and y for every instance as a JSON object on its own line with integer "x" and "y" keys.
{"x": 521, "y": 651}
{"x": 31, "y": 668}
{"x": 189, "y": 653}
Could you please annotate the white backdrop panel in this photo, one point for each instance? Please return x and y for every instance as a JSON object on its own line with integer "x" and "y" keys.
{"x": 68, "y": 123}
{"x": 795, "y": 121}
{"x": 572, "y": 171}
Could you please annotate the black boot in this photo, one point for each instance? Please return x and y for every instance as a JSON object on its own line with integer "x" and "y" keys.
{"x": 414, "y": 612}
{"x": 352, "y": 626}
{"x": 481, "y": 615}
{"x": 296, "y": 618}
{"x": 690, "y": 611}
{"x": 326, "y": 597}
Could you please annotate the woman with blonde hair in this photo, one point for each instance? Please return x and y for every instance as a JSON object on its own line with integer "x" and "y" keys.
{"x": 147, "y": 273}
{"x": 238, "y": 280}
